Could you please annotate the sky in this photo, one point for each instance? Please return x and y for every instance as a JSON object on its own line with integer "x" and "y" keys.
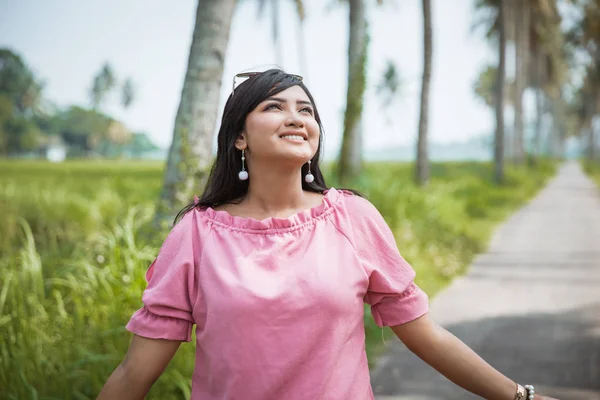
{"x": 65, "y": 42}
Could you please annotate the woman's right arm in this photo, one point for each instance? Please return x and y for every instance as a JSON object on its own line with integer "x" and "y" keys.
{"x": 145, "y": 361}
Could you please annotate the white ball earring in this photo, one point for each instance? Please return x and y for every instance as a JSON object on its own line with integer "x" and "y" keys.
{"x": 309, "y": 178}
{"x": 243, "y": 174}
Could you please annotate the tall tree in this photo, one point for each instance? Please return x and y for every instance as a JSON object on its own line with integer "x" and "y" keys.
{"x": 104, "y": 81}
{"x": 521, "y": 13}
{"x": 276, "y": 30}
{"x": 499, "y": 136}
{"x": 191, "y": 148}
{"x": 422, "y": 164}
{"x": 539, "y": 28}
{"x": 350, "y": 157}
{"x": 587, "y": 37}
{"x": 276, "y": 33}
{"x": 127, "y": 93}
{"x": 18, "y": 84}
{"x": 20, "y": 105}
{"x": 547, "y": 71}
{"x": 302, "y": 56}
{"x": 587, "y": 107}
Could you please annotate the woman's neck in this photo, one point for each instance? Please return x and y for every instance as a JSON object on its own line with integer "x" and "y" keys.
{"x": 275, "y": 190}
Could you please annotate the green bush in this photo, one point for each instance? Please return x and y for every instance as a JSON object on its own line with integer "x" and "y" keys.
{"x": 73, "y": 259}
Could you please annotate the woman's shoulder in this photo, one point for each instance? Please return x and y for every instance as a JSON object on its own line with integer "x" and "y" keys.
{"x": 190, "y": 223}
{"x": 356, "y": 204}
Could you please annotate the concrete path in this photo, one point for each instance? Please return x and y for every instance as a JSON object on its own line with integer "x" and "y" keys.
{"x": 530, "y": 306}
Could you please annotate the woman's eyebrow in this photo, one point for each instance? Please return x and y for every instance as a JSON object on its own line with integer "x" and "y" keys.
{"x": 279, "y": 99}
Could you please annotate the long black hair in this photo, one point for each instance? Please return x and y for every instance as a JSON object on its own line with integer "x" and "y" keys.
{"x": 223, "y": 185}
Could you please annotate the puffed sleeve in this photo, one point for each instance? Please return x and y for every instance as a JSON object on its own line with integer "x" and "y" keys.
{"x": 392, "y": 294}
{"x": 172, "y": 287}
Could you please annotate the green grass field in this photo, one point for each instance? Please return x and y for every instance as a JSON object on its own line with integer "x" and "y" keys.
{"x": 593, "y": 170}
{"x": 75, "y": 244}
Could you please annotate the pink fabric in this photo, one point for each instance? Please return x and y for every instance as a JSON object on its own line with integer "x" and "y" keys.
{"x": 278, "y": 303}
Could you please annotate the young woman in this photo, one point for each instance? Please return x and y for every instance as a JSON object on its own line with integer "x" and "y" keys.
{"x": 273, "y": 268}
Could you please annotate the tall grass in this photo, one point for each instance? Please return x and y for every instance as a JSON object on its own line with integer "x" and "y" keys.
{"x": 74, "y": 250}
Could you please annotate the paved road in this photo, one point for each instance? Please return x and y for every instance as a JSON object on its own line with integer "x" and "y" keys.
{"x": 530, "y": 306}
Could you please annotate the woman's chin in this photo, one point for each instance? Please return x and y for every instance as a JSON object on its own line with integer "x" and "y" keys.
{"x": 301, "y": 157}
{"x": 296, "y": 155}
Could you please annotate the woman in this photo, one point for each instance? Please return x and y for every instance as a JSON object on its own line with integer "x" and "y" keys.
{"x": 273, "y": 267}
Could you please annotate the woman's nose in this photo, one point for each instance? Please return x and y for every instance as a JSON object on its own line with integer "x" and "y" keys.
{"x": 294, "y": 120}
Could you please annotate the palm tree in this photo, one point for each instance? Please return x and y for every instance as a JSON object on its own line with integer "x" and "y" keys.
{"x": 494, "y": 15}
{"x": 548, "y": 69}
{"x": 127, "y": 93}
{"x": 521, "y": 13}
{"x": 587, "y": 110}
{"x": 590, "y": 42}
{"x": 351, "y": 151}
{"x": 104, "y": 81}
{"x": 485, "y": 87}
{"x": 422, "y": 164}
{"x": 499, "y": 136}
{"x": 191, "y": 148}
{"x": 540, "y": 55}
{"x": 302, "y": 56}
{"x": 275, "y": 27}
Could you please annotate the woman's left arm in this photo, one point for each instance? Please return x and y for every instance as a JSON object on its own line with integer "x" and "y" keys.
{"x": 456, "y": 361}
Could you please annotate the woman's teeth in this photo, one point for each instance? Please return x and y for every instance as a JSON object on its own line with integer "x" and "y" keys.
{"x": 293, "y": 137}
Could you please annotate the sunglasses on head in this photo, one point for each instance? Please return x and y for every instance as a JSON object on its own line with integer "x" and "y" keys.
{"x": 248, "y": 75}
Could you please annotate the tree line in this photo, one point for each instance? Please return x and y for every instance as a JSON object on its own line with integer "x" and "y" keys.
{"x": 554, "y": 45}
{"x": 30, "y": 123}
{"x": 547, "y": 60}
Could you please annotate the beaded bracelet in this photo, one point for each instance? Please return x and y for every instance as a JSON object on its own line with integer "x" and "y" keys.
{"x": 530, "y": 391}
{"x": 525, "y": 393}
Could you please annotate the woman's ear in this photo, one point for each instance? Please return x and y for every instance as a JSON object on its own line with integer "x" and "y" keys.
{"x": 240, "y": 142}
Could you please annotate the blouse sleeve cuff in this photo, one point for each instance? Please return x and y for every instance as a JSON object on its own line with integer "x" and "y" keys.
{"x": 147, "y": 324}
{"x": 397, "y": 310}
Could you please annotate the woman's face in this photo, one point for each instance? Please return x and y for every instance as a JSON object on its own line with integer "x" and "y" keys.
{"x": 281, "y": 128}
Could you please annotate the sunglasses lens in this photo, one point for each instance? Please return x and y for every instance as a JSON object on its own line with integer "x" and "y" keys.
{"x": 243, "y": 76}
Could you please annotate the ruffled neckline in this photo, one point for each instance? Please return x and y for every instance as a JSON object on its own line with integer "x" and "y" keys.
{"x": 299, "y": 219}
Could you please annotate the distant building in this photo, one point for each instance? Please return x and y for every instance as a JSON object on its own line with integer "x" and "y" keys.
{"x": 55, "y": 149}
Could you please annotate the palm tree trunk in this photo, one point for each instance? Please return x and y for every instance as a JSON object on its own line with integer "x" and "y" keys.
{"x": 302, "y": 57}
{"x": 510, "y": 33}
{"x": 555, "y": 136}
{"x": 591, "y": 150}
{"x": 539, "y": 115}
{"x": 300, "y": 34}
{"x": 191, "y": 149}
{"x": 499, "y": 136}
{"x": 350, "y": 156}
{"x": 276, "y": 34}
{"x": 521, "y": 41}
{"x": 537, "y": 73}
{"x": 422, "y": 164}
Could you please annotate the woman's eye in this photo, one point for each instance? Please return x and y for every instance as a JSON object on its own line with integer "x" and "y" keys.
{"x": 308, "y": 110}
{"x": 272, "y": 106}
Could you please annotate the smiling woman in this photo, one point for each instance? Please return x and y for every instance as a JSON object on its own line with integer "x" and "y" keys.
{"x": 261, "y": 109}
{"x": 274, "y": 270}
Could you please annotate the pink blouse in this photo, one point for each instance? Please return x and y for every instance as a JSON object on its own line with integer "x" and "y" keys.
{"x": 278, "y": 303}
